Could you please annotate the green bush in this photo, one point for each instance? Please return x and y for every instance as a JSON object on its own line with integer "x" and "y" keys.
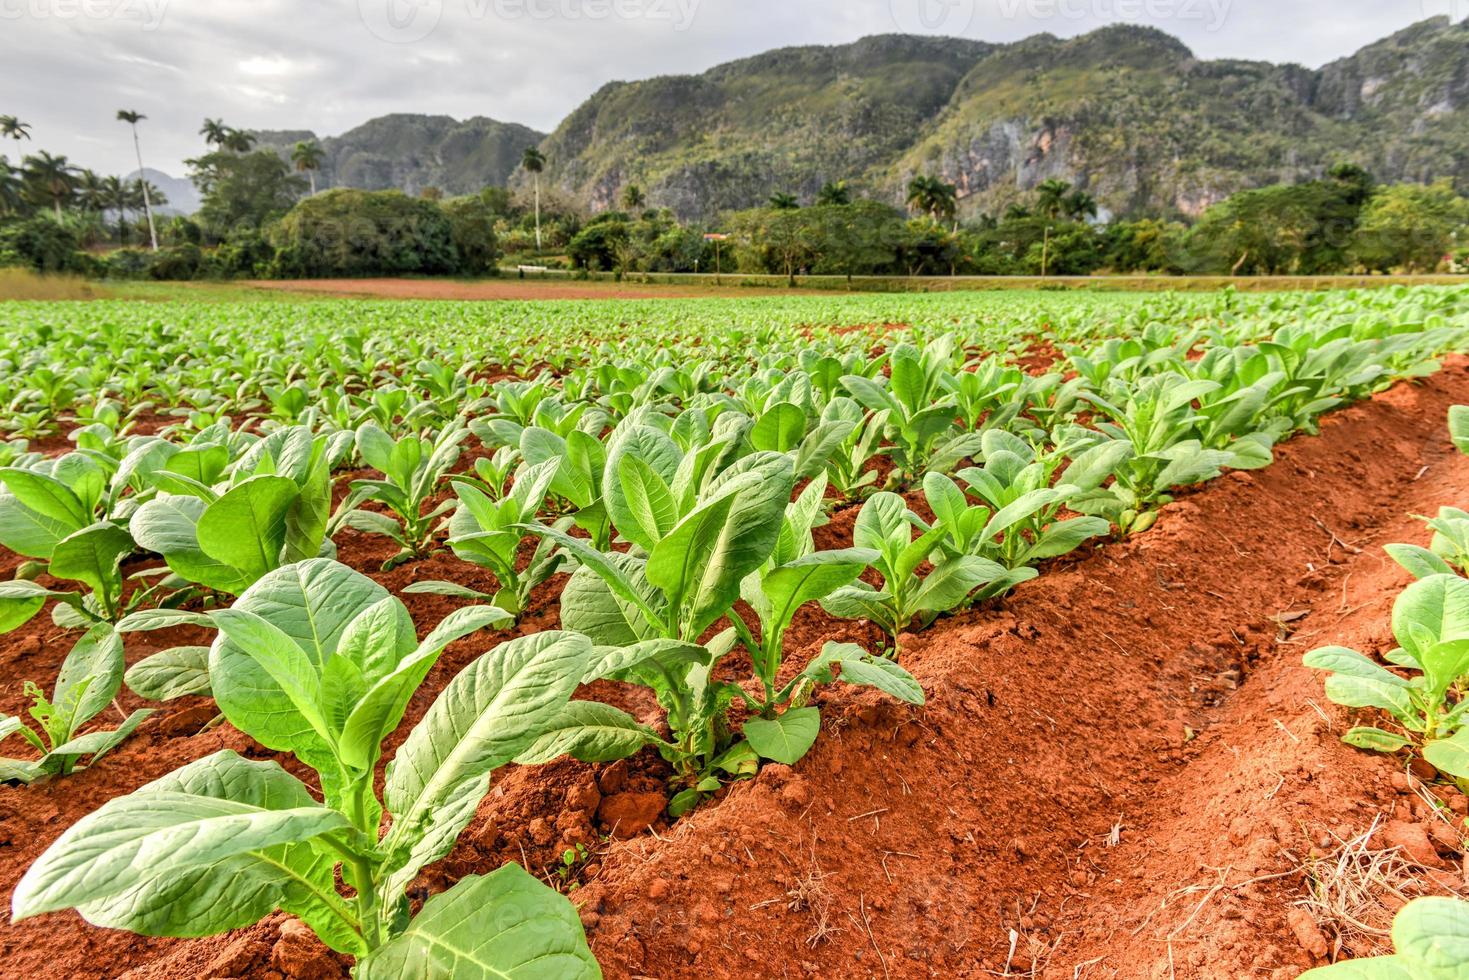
{"x": 343, "y": 233}
{"x": 43, "y": 245}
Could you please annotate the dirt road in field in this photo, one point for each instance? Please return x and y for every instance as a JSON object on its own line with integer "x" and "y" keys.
{"x": 1120, "y": 772}
{"x": 507, "y": 288}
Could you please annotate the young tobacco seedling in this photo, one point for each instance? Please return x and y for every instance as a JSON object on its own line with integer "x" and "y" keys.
{"x": 1016, "y": 524}
{"x": 784, "y": 726}
{"x": 413, "y": 468}
{"x": 846, "y": 468}
{"x": 319, "y": 661}
{"x": 90, "y": 677}
{"x": 885, "y": 526}
{"x": 1430, "y": 621}
{"x": 1430, "y": 938}
{"x": 488, "y": 533}
{"x": 921, "y": 415}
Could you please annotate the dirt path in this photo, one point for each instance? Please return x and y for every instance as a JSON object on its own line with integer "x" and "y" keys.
{"x": 1053, "y": 785}
{"x": 507, "y": 288}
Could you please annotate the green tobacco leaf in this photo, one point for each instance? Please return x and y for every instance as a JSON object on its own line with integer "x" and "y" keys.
{"x": 216, "y": 845}
{"x": 948, "y": 584}
{"x": 91, "y": 556}
{"x": 246, "y": 528}
{"x": 502, "y": 925}
{"x": 1376, "y": 740}
{"x": 1431, "y": 610}
{"x": 487, "y": 715}
{"x": 46, "y": 496}
{"x": 1434, "y": 933}
{"x": 1450, "y": 755}
{"x": 147, "y": 620}
{"x": 174, "y": 673}
{"x": 20, "y": 601}
{"x": 89, "y": 679}
{"x": 27, "y": 532}
{"x": 885, "y": 675}
{"x": 589, "y": 731}
{"x": 787, "y": 738}
{"x": 312, "y": 603}
{"x": 168, "y": 526}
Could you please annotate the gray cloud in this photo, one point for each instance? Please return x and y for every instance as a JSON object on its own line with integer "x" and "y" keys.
{"x": 66, "y": 66}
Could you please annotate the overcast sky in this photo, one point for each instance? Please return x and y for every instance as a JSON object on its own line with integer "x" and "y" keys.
{"x": 66, "y": 66}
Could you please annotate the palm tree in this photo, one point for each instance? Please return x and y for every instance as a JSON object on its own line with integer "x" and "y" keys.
{"x": 308, "y": 158}
{"x": 239, "y": 141}
{"x": 1080, "y": 205}
{"x": 11, "y": 199}
{"x": 132, "y": 119}
{"x": 933, "y": 197}
{"x": 51, "y": 178}
{"x": 633, "y": 198}
{"x": 781, "y": 201}
{"x": 116, "y": 197}
{"x": 834, "y": 193}
{"x": 14, "y": 129}
{"x": 534, "y": 161}
{"x": 215, "y": 132}
{"x": 1051, "y": 197}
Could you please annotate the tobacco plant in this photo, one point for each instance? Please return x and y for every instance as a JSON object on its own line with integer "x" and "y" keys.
{"x": 1430, "y": 938}
{"x": 413, "y": 470}
{"x": 885, "y": 526}
{"x": 90, "y": 677}
{"x": 487, "y": 533}
{"x": 1430, "y": 621}
{"x": 319, "y": 661}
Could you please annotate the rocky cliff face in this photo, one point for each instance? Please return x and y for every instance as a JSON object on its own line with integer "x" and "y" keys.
{"x": 410, "y": 152}
{"x": 1129, "y": 113}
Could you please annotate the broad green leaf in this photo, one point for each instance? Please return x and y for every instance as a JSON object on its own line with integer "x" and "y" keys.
{"x": 786, "y": 738}
{"x": 27, "y": 532}
{"x": 246, "y": 528}
{"x": 951, "y": 581}
{"x": 650, "y": 510}
{"x": 147, "y": 620}
{"x": 1434, "y": 933}
{"x": 174, "y": 673}
{"x": 486, "y": 716}
{"x": 1431, "y": 610}
{"x": 885, "y": 675}
{"x": 589, "y": 731}
{"x": 46, "y": 496}
{"x": 168, "y": 526}
{"x": 91, "y": 556}
{"x": 503, "y": 926}
{"x": 311, "y": 602}
{"x": 1450, "y": 755}
{"x": 216, "y": 845}
{"x": 20, "y": 601}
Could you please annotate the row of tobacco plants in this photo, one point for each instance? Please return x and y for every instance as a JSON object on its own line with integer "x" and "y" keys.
{"x": 679, "y": 493}
{"x": 1421, "y": 686}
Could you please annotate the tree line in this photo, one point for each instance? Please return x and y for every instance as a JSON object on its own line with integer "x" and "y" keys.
{"x": 263, "y": 215}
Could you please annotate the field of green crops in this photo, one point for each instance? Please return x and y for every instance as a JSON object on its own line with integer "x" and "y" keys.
{"x": 669, "y": 465}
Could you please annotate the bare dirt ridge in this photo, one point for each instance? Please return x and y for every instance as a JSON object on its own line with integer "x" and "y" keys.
{"x": 1120, "y": 771}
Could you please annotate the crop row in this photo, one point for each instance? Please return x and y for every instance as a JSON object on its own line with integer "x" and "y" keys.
{"x": 682, "y": 495}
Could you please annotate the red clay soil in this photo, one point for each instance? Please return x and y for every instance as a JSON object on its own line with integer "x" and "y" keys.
{"x": 508, "y": 288}
{"x": 1120, "y": 772}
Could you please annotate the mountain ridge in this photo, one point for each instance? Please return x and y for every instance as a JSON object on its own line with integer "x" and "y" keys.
{"x": 1130, "y": 113}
